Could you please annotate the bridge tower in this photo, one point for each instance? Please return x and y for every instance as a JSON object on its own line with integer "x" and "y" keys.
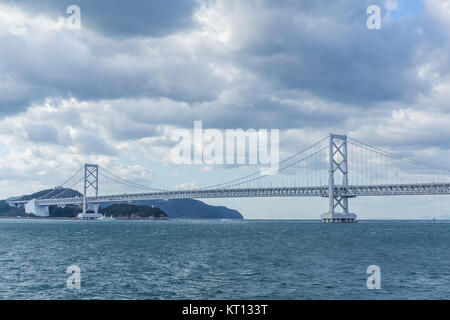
{"x": 90, "y": 182}
{"x": 338, "y": 167}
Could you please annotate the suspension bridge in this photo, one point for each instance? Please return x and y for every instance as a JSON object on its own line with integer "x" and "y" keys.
{"x": 336, "y": 167}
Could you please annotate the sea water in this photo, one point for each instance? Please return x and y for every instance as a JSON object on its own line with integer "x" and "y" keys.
{"x": 238, "y": 259}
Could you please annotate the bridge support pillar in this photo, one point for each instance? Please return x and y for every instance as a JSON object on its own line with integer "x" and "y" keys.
{"x": 91, "y": 215}
{"x": 338, "y": 166}
{"x": 90, "y": 182}
{"x": 32, "y": 207}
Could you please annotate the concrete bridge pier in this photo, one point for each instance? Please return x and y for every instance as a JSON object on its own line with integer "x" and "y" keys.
{"x": 91, "y": 215}
{"x": 32, "y": 207}
{"x": 329, "y": 217}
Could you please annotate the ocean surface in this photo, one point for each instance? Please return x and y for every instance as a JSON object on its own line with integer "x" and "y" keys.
{"x": 182, "y": 259}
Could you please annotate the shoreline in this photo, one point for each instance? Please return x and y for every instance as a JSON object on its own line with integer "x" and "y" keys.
{"x": 72, "y": 219}
{"x": 37, "y": 218}
{"x": 216, "y": 219}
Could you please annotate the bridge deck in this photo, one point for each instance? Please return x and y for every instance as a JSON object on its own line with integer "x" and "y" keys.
{"x": 319, "y": 191}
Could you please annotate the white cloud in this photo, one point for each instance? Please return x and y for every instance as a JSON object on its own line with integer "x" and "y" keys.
{"x": 15, "y": 22}
{"x": 440, "y": 10}
{"x": 391, "y": 5}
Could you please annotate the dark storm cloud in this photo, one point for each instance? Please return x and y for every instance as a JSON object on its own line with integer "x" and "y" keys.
{"x": 118, "y": 17}
{"x": 62, "y": 65}
{"x": 324, "y": 47}
{"x": 11, "y": 107}
{"x": 309, "y": 63}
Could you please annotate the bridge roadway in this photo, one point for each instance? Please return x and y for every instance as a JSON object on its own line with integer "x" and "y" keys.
{"x": 319, "y": 191}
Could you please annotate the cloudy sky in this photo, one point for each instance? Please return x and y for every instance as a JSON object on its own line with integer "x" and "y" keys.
{"x": 113, "y": 91}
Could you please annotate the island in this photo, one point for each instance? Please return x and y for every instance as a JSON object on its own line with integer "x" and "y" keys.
{"x": 133, "y": 212}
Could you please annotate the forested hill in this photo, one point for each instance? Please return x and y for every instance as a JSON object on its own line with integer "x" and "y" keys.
{"x": 7, "y": 211}
{"x": 188, "y": 209}
{"x": 130, "y": 211}
{"x": 55, "y": 193}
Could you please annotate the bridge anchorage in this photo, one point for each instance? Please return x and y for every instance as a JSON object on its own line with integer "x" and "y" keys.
{"x": 338, "y": 162}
